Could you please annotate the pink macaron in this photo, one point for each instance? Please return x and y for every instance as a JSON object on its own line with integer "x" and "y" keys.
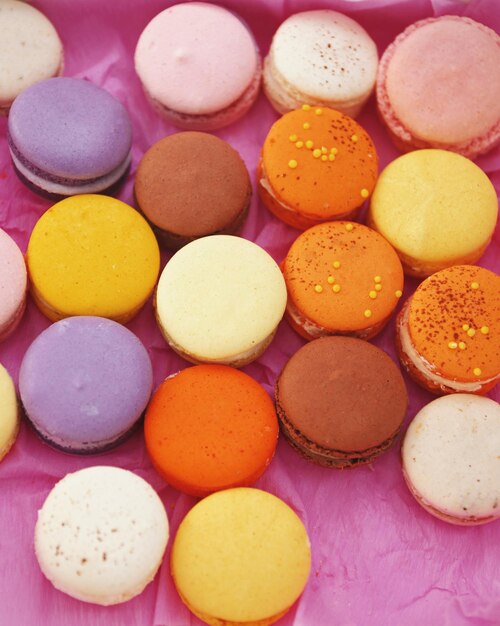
{"x": 199, "y": 65}
{"x": 13, "y": 284}
{"x": 438, "y": 86}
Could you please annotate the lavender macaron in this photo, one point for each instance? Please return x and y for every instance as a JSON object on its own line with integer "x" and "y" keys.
{"x": 84, "y": 383}
{"x": 67, "y": 136}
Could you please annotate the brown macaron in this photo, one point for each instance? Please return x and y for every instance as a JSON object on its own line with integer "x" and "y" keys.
{"x": 190, "y": 185}
{"x": 341, "y": 401}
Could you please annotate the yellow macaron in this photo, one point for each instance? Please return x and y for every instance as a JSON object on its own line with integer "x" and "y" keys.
{"x": 436, "y": 208}
{"x": 92, "y": 255}
{"x": 240, "y": 557}
{"x": 9, "y": 414}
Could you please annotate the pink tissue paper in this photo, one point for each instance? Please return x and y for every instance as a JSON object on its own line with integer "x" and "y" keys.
{"x": 377, "y": 557}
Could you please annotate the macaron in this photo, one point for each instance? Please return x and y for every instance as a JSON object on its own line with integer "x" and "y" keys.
{"x": 316, "y": 165}
{"x": 190, "y": 185}
{"x": 67, "y": 136}
{"x": 212, "y": 309}
{"x": 84, "y": 384}
{"x": 322, "y": 58}
{"x": 13, "y": 285}
{"x": 438, "y": 86}
{"x": 450, "y": 459}
{"x": 30, "y": 50}
{"x": 9, "y": 414}
{"x": 92, "y": 255}
{"x": 210, "y": 427}
{"x": 341, "y": 401}
{"x": 342, "y": 278}
{"x": 240, "y": 557}
{"x": 447, "y": 333}
{"x": 199, "y": 65}
{"x": 436, "y": 208}
{"x": 101, "y": 534}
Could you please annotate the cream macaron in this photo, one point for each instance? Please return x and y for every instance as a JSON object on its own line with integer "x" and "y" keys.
{"x": 9, "y": 414}
{"x": 320, "y": 58}
{"x": 219, "y": 300}
{"x": 451, "y": 460}
{"x": 436, "y": 208}
{"x": 101, "y": 535}
{"x": 13, "y": 285}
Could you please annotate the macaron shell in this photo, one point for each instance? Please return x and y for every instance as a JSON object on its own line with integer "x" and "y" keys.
{"x": 214, "y": 309}
{"x": 101, "y": 535}
{"x": 30, "y": 49}
{"x": 210, "y": 427}
{"x": 450, "y": 458}
{"x": 92, "y": 255}
{"x": 333, "y": 270}
{"x": 436, "y": 208}
{"x": 439, "y": 85}
{"x": 192, "y": 184}
{"x": 196, "y": 58}
{"x": 13, "y": 284}
{"x": 69, "y": 129}
{"x": 341, "y": 399}
{"x": 315, "y": 187}
{"x": 9, "y": 414}
{"x": 477, "y": 348}
{"x": 84, "y": 383}
{"x": 321, "y": 58}
{"x": 254, "y": 565}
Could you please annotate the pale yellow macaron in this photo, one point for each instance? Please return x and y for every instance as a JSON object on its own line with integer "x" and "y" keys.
{"x": 436, "y": 208}
{"x": 240, "y": 557}
{"x": 9, "y": 414}
{"x": 92, "y": 255}
{"x": 220, "y": 300}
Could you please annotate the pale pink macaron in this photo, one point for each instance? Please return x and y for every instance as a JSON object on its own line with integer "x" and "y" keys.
{"x": 13, "y": 284}
{"x": 438, "y": 86}
{"x": 199, "y": 65}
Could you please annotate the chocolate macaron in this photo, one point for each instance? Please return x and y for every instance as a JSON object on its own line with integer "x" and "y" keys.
{"x": 190, "y": 185}
{"x": 341, "y": 401}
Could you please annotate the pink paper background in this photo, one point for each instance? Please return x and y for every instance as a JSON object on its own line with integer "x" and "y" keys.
{"x": 378, "y": 558}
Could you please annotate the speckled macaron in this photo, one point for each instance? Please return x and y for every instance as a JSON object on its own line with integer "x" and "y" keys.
{"x": 436, "y": 208}
{"x": 199, "y": 65}
{"x": 219, "y": 300}
{"x": 343, "y": 278}
{"x": 13, "y": 285}
{"x": 30, "y": 50}
{"x": 450, "y": 459}
{"x": 92, "y": 255}
{"x": 190, "y": 185}
{"x": 101, "y": 534}
{"x": 316, "y": 165}
{"x": 448, "y": 331}
{"x": 438, "y": 86}
{"x": 322, "y": 58}
{"x": 240, "y": 557}
{"x": 68, "y": 136}
{"x": 9, "y": 413}
{"x": 84, "y": 383}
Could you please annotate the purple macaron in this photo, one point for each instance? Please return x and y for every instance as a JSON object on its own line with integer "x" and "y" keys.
{"x": 84, "y": 383}
{"x": 67, "y": 136}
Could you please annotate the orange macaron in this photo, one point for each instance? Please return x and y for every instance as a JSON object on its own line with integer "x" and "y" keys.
{"x": 342, "y": 278}
{"x": 210, "y": 427}
{"x": 448, "y": 331}
{"x": 316, "y": 165}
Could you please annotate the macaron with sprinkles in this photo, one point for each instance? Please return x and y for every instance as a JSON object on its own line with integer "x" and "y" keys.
{"x": 343, "y": 279}
{"x": 316, "y": 165}
{"x": 448, "y": 331}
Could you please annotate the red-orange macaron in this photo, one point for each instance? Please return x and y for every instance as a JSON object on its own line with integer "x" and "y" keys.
{"x": 316, "y": 165}
{"x": 210, "y": 427}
